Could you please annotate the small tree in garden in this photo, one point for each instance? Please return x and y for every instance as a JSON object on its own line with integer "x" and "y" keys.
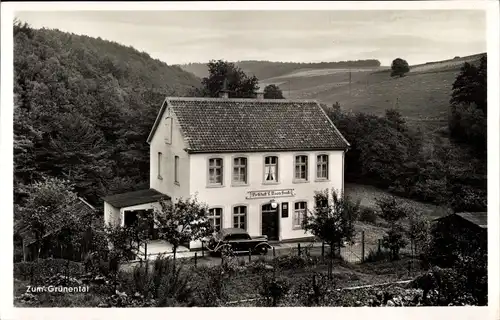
{"x": 182, "y": 222}
{"x": 394, "y": 240}
{"x": 393, "y": 211}
{"x": 332, "y": 221}
{"x": 418, "y": 232}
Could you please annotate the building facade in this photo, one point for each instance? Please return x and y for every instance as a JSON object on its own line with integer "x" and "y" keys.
{"x": 256, "y": 163}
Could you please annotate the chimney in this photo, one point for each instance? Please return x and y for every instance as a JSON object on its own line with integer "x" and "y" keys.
{"x": 224, "y": 93}
{"x": 260, "y": 95}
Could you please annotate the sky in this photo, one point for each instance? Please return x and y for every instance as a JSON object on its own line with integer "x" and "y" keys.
{"x": 178, "y": 37}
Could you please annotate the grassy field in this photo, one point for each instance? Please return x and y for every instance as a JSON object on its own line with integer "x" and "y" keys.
{"x": 422, "y": 96}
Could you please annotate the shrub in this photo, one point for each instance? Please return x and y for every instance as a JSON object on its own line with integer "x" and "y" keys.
{"x": 394, "y": 240}
{"x": 210, "y": 286}
{"x": 41, "y": 269}
{"x": 163, "y": 281}
{"x": 273, "y": 289}
{"x": 368, "y": 215}
{"x": 376, "y": 255}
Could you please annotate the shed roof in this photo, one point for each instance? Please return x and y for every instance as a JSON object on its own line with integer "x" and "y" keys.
{"x": 232, "y": 125}
{"x": 133, "y": 198}
{"x": 478, "y": 218}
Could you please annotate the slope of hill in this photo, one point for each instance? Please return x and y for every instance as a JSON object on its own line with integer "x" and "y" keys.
{"x": 421, "y": 96}
{"x": 269, "y": 69}
{"x": 84, "y": 108}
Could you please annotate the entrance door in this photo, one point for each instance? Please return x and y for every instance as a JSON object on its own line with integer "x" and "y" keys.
{"x": 270, "y": 222}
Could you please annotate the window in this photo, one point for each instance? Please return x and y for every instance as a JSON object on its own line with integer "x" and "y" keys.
{"x": 215, "y": 218}
{"x": 299, "y": 214}
{"x": 322, "y": 166}
{"x": 240, "y": 217}
{"x": 159, "y": 164}
{"x": 168, "y": 130}
{"x": 215, "y": 171}
{"x": 176, "y": 169}
{"x": 301, "y": 168}
{"x": 271, "y": 169}
{"x": 240, "y": 170}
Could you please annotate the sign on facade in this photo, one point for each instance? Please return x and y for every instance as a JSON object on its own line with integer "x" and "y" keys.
{"x": 270, "y": 193}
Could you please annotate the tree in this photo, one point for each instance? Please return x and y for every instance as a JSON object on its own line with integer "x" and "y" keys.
{"x": 399, "y": 67}
{"x": 182, "y": 222}
{"x": 238, "y": 83}
{"x": 469, "y": 106}
{"x": 272, "y": 91}
{"x": 391, "y": 209}
{"x": 47, "y": 208}
{"x": 332, "y": 221}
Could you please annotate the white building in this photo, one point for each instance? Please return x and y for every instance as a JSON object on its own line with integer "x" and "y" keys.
{"x": 256, "y": 163}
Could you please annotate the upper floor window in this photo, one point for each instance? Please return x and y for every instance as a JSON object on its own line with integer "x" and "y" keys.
{"x": 299, "y": 214}
{"x": 176, "y": 169}
{"x": 271, "y": 169}
{"x": 159, "y": 160}
{"x": 215, "y": 171}
{"x": 215, "y": 218}
{"x": 240, "y": 217}
{"x": 322, "y": 166}
{"x": 301, "y": 167}
{"x": 240, "y": 175}
{"x": 168, "y": 130}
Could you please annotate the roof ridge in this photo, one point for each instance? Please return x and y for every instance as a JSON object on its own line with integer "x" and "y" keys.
{"x": 241, "y": 100}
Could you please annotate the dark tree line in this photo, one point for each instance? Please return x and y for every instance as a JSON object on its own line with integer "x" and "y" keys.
{"x": 83, "y": 109}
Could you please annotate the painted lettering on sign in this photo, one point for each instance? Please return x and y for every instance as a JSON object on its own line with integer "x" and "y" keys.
{"x": 270, "y": 193}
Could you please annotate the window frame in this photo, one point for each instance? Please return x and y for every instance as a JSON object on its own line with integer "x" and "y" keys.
{"x": 247, "y": 177}
{"x": 300, "y": 180}
{"x": 212, "y": 218}
{"x": 239, "y": 214}
{"x": 176, "y": 170}
{"x": 318, "y": 155}
{"x": 210, "y": 184}
{"x": 294, "y": 226}
{"x": 159, "y": 160}
{"x": 277, "y": 181}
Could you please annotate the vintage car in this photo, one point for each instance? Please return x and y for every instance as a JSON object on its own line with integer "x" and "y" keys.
{"x": 239, "y": 241}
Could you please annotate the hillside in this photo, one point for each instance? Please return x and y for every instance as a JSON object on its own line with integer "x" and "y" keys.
{"x": 84, "y": 108}
{"x": 422, "y": 96}
{"x": 270, "y": 69}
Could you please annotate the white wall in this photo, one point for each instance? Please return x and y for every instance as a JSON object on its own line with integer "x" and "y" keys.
{"x": 229, "y": 196}
{"x": 111, "y": 215}
{"x": 169, "y": 149}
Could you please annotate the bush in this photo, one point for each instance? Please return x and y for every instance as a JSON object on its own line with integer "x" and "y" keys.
{"x": 368, "y": 215}
{"x": 164, "y": 282}
{"x": 39, "y": 270}
{"x": 376, "y": 255}
{"x": 273, "y": 289}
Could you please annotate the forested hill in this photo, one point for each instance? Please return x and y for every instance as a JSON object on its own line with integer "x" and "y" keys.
{"x": 84, "y": 108}
{"x": 269, "y": 69}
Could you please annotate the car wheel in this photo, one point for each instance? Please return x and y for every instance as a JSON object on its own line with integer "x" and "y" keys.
{"x": 262, "y": 250}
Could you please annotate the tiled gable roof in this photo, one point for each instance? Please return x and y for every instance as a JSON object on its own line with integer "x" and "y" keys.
{"x": 232, "y": 125}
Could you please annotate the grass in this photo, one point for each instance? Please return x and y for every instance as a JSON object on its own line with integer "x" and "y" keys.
{"x": 368, "y": 195}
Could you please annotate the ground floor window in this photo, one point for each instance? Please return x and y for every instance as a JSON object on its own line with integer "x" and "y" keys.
{"x": 299, "y": 214}
{"x": 240, "y": 217}
{"x": 215, "y": 218}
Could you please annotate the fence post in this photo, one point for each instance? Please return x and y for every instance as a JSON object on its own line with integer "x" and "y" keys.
{"x": 249, "y": 255}
{"x": 362, "y": 246}
{"x": 379, "y": 245}
{"x": 202, "y": 248}
{"x": 195, "y": 258}
{"x": 298, "y": 248}
{"x": 274, "y": 252}
{"x": 323, "y": 251}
